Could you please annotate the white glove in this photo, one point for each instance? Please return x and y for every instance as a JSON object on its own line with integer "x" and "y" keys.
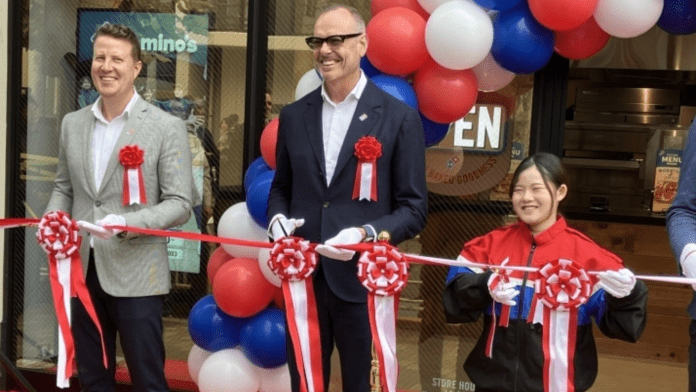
{"x": 617, "y": 283}
{"x": 688, "y": 264}
{"x": 281, "y": 226}
{"x": 503, "y": 293}
{"x": 349, "y": 236}
{"x": 93, "y": 229}
{"x": 108, "y": 220}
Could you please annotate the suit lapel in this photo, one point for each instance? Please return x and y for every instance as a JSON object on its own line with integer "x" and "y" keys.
{"x": 87, "y": 153}
{"x": 313, "y": 125}
{"x": 365, "y": 117}
{"x": 135, "y": 120}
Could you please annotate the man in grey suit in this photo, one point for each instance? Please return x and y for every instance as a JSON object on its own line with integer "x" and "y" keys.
{"x": 127, "y": 274}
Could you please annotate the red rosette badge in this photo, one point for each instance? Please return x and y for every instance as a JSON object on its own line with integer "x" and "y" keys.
{"x": 292, "y": 259}
{"x": 132, "y": 158}
{"x": 367, "y": 150}
{"x": 563, "y": 285}
{"x": 383, "y": 270}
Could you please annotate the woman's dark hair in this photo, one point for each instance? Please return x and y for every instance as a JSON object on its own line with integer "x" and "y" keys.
{"x": 550, "y": 167}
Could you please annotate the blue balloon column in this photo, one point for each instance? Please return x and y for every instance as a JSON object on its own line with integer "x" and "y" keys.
{"x": 678, "y": 17}
{"x": 263, "y": 339}
{"x": 257, "y": 197}
{"x": 211, "y": 328}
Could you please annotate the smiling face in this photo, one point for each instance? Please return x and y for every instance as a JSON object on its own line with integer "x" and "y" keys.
{"x": 114, "y": 69}
{"x": 535, "y": 200}
{"x": 339, "y": 65}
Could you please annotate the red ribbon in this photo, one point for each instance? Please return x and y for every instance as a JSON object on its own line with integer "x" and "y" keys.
{"x": 59, "y": 236}
{"x": 367, "y": 150}
{"x": 131, "y": 158}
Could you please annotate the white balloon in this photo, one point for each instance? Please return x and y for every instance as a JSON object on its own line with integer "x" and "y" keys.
{"x": 491, "y": 76}
{"x": 228, "y": 371}
{"x": 196, "y": 358}
{"x": 274, "y": 379}
{"x": 627, "y": 18}
{"x": 459, "y": 34}
{"x": 308, "y": 83}
{"x": 431, "y": 5}
{"x": 237, "y": 223}
{"x": 264, "y": 255}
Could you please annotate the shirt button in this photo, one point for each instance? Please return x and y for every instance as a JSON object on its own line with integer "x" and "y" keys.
{"x": 97, "y": 203}
{"x": 326, "y": 204}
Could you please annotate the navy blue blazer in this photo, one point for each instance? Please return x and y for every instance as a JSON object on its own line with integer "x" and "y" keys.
{"x": 299, "y": 188}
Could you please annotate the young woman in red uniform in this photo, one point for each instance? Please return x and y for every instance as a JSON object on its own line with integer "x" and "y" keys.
{"x": 537, "y": 333}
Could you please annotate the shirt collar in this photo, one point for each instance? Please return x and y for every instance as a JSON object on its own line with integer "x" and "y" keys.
{"x": 356, "y": 92}
{"x": 547, "y": 235}
{"x": 96, "y": 107}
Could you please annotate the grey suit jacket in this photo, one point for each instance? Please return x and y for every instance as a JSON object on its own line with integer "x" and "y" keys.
{"x": 135, "y": 265}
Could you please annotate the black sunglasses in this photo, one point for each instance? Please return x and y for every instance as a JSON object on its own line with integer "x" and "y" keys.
{"x": 332, "y": 40}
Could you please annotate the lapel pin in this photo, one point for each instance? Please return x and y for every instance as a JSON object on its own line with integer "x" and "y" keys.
{"x": 363, "y": 117}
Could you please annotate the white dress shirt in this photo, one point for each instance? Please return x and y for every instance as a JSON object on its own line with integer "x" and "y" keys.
{"x": 105, "y": 135}
{"x": 335, "y": 120}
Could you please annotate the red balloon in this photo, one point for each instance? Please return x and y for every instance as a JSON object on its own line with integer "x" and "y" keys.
{"x": 269, "y": 139}
{"x": 240, "y": 289}
{"x": 380, "y": 5}
{"x": 396, "y": 39}
{"x": 445, "y": 95}
{"x": 582, "y": 42}
{"x": 278, "y": 298}
{"x": 562, "y": 15}
{"x": 216, "y": 260}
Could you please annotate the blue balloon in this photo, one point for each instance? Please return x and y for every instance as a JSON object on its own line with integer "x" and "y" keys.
{"x": 212, "y": 329}
{"x": 257, "y": 167}
{"x": 520, "y": 43}
{"x": 257, "y": 197}
{"x": 262, "y": 339}
{"x": 678, "y": 17}
{"x": 498, "y": 5}
{"x": 432, "y": 131}
{"x": 398, "y": 88}
{"x": 368, "y": 68}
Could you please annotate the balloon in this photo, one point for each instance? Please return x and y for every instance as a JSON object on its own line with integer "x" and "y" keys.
{"x": 217, "y": 259}
{"x": 627, "y": 18}
{"x": 397, "y": 88}
{"x": 397, "y": 41}
{"x": 432, "y": 131}
{"x": 678, "y": 17}
{"x": 309, "y": 82}
{"x": 196, "y": 358}
{"x": 257, "y": 197}
{"x": 210, "y": 328}
{"x": 269, "y": 139}
{"x": 263, "y": 339}
{"x": 562, "y": 15}
{"x": 237, "y": 223}
{"x": 582, "y": 42}
{"x": 491, "y": 76}
{"x": 240, "y": 288}
{"x": 257, "y": 167}
{"x": 369, "y": 69}
{"x": 279, "y": 299}
{"x": 520, "y": 44}
{"x": 499, "y": 5}
{"x": 459, "y": 34}
{"x": 379, "y": 5}
{"x": 228, "y": 371}
{"x": 431, "y": 5}
{"x": 264, "y": 255}
{"x": 445, "y": 95}
{"x": 274, "y": 379}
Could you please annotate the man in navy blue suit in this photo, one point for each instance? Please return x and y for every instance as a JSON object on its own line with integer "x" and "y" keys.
{"x": 316, "y": 195}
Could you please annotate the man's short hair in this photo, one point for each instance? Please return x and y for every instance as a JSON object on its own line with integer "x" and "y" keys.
{"x": 359, "y": 20}
{"x": 121, "y": 32}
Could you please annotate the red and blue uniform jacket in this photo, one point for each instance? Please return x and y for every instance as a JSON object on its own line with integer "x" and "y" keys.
{"x": 517, "y": 359}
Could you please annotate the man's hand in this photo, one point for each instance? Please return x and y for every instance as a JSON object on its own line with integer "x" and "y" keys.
{"x": 619, "y": 283}
{"x": 109, "y": 220}
{"x": 349, "y": 236}
{"x": 281, "y": 227}
{"x": 503, "y": 293}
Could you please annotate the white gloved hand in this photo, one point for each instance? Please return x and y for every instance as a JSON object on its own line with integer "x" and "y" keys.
{"x": 617, "y": 283}
{"x": 111, "y": 219}
{"x": 281, "y": 226}
{"x": 349, "y": 236}
{"x": 503, "y": 293}
{"x": 688, "y": 264}
{"x": 93, "y": 229}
